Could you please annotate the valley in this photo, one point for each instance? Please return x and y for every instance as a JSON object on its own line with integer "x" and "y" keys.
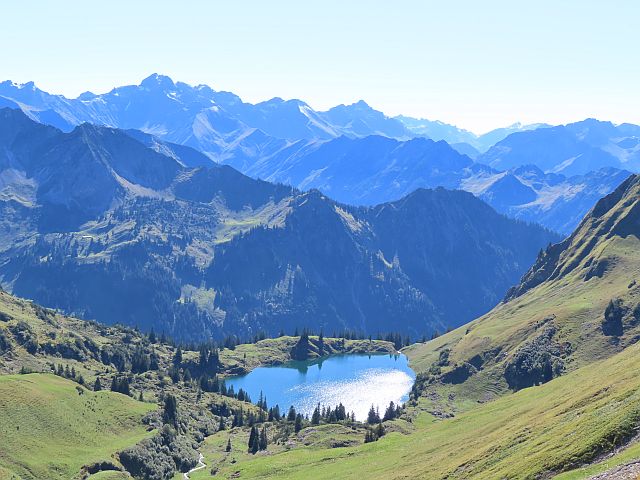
{"x": 72, "y": 380}
{"x": 542, "y": 385}
{"x": 325, "y": 241}
{"x": 110, "y": 229}
{"x": 210, "y": 286}
{"x": 477, "y": 416}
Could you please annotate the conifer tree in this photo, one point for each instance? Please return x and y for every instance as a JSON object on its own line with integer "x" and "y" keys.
{"x": 263, "y": 439}
{"x": 390, "y": 412}
{"x": 369, "y": 437}
{"x": 170, "y": 412}
{"x": 120, "y": 385}
{"x": 177, "y": 357}
{"x": 238, "y": 419}
{"x": 291, "y": 416}
{"x": 298, "y": 424}
{"x": 373, "y": 417}
{"x": 315, "y": 418}
{"x": 321, "y": 343}
{"x": 254, "y": 441}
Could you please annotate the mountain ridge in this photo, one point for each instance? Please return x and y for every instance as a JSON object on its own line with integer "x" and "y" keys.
{"x": 112, "y": 221}
{"x": 274, "y": 139}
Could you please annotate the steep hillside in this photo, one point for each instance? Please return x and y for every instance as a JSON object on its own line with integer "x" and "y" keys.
{"x": 616, "y": 216}
{"x": 442, "y": 273}
{"x": 116, "y": 226}
{"x": 577, "y": 304}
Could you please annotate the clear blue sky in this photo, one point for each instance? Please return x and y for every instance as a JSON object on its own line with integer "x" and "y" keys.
{"x": 477, "y": 64}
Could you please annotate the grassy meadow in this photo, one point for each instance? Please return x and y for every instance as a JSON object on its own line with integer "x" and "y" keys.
{"x": 50, "y": 430}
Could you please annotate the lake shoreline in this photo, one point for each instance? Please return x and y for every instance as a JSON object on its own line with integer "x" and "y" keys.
{"x": 356, "y": 380}
{"x": 270, "y": 352}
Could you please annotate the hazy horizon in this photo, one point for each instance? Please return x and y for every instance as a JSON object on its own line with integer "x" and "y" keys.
{"x": 462, "y": 63}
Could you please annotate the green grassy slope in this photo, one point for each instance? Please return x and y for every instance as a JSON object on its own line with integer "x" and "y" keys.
{"x": 47, "y": 414}
{"x": 111, "y": 475}
{"x": 539, "y": 429}
{"x": 475, "y": 417}
{"x": 49, "y": 430}
{"x": 591, "y": 407}
{"x": 598, "y": 263}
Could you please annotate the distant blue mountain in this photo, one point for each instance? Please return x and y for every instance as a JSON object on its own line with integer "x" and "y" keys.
{"x": 360, "y": 120}
{"x": 573, "y": 149}
{"x": 364, "y": 171}
{"x": 556, "y": 201}
{"x": 214, "y": 121}
{"x": 198, "y": 116}
{"x": 466, "y": 149}
{"x": 119, "y": 226}
{"x": 374, "y": 169}
{"x": 437, "y": 130}
{"x": 355, "y": 153}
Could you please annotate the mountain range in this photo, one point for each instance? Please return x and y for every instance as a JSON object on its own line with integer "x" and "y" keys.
{"x": 129, "y": 208}
{"x": 462, "y": 140}
{"x": 375, "y": 169}
{"x": 357, "y": 155}
{"x": 572, "y": 149}
{"x": 544, "y": 385}
{"x": 210, "y": 120}
{"x": 117, "y": 226}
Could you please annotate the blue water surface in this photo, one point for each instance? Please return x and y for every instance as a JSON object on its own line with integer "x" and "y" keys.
{"x": 356, "y": 381}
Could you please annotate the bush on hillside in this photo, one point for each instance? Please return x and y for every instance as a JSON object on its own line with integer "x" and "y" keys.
{"x": 613, "y": 316}
{"x": 443, "y": 359}
{"x": 535, "y": 362}
{"x": 25, "y": 336}
{"x": 64, "y": 349}
{"x": 459, "y": 373}
{"x": 5, "y": 344}
{"x": 159, "y": 457}
{"x": 149, "y": 459}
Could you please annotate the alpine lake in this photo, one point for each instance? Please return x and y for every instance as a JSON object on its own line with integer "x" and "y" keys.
{"x": 355, "y": 380}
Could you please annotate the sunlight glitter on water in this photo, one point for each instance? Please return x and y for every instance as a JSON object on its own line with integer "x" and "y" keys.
{"x": 356, "y": 381}
{"x": 374, "y": 386}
